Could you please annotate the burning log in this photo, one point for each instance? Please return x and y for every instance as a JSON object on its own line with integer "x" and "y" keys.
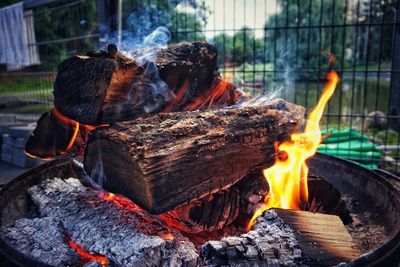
{"x": 55, "y": 135}
{"x": 285, "y": 237}
{"x": 106, "y": 87}
{"x": 167, "y": 160}
{"x": 210, "y": 213}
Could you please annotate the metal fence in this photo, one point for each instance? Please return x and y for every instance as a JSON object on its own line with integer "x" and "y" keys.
{"x": 273, "y": 47}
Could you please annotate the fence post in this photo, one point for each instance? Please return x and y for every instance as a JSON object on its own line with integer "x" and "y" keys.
{"x": 107, "y": 13}
{"x": 394, "y": 107}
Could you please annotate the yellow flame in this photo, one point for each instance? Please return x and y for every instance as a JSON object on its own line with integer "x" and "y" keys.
{"x": 287, "y": 178}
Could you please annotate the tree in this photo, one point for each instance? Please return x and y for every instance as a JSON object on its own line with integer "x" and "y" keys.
{"x": 302, "y": 51}
{"x": 375, "y": 42}
{"x": 224, "y": 45}
{"x": 141, "y": 18}
{"x": 240, "y": 48}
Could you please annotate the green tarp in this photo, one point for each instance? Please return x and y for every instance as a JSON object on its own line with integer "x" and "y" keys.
{"x": 350, "y": 145}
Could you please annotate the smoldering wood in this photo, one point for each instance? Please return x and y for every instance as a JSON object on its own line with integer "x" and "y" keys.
{"x": 167, "y": 160}
{"x": 271, "y": 242}
{"x": 219, "y": 210}
{"x": 126, "y": 237}
{"x": 210, "y": 213}
{"x": 285, "y": 237}
{"x": 106, "y": 87}
{"x": 253, "y": 189}
{"x": 52, "y": 137}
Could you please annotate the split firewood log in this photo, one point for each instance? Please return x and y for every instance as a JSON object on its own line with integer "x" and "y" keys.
{"x": 285, "y": 237}
{"x": 105, "y": 87}
{"x": 167, "y": 160}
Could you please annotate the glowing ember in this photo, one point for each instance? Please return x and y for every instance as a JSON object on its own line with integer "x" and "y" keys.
{"x": 128, "y": 205}
{"x": 167, "y": 236}
{"x": 85, "y": 255}
{"x": 287, "y": 178}
{"x": 178, "y": 97}
{"x": 67, "y": 123}
{"x": 119, "y": 201}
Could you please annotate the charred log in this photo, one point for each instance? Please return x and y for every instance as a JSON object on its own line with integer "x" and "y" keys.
{"x": 107, "y": 87}
{"x": 167, "y": 160}
{"x": 99, "y": 223}
{"x": 53, "y": 136}
{"x": 210, "y": 213}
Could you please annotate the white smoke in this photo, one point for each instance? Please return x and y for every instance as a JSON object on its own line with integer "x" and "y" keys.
{"x": 97, "y": 174}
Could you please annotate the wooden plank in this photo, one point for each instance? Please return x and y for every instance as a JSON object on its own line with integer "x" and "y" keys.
{"x": 323, "y": 237}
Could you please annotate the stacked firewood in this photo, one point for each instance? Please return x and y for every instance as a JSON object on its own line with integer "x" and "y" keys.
{"x": 166, "y": 133}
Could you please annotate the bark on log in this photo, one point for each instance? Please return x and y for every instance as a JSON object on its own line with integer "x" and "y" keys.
{"x": 166, "y": 160}
{"x": 106, "y": 87}
{"x": 124, "y": 236}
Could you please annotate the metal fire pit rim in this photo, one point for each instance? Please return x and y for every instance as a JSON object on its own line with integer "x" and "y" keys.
{"x": 378, "y": 256}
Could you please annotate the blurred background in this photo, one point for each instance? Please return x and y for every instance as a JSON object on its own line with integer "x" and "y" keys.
{"x": 275, "y": 47}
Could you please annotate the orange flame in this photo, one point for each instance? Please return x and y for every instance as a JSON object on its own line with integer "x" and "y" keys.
{"x": 287, "y": 178}
{"x": 36, "y": 157}
{"x": 67, "y": 123}
{"x": 210, "y": 96}
{"x": 86, "y": 256}
{"x": 218, "y": 94}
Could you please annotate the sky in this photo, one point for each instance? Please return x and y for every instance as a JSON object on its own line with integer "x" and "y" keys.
{"x": 235, "y": 14}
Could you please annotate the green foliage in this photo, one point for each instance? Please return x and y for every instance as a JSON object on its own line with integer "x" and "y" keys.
{"x": 240, "y": 48}
{"x": 5, "y": 3}
{"x": 305, "y": 49}
{"x": 151, "y": 14}
{"x": 21, "y": 84}
{"x": 185, "y": 27}
{"x": 63, "y": 23}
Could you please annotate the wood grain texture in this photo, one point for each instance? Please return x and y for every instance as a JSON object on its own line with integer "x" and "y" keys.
{"x": 167, "y": 160}
{"x": 322, "y": 237}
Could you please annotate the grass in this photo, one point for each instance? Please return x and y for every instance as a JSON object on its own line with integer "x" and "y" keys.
{"x": 25, "y": 89}
{"x": 385, "y": 66}
{"x": 25, "y": 83}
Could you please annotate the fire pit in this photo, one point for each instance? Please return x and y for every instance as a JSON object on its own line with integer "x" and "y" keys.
{"x": 366, "y": 194}
{"x": 178, "y": 167}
